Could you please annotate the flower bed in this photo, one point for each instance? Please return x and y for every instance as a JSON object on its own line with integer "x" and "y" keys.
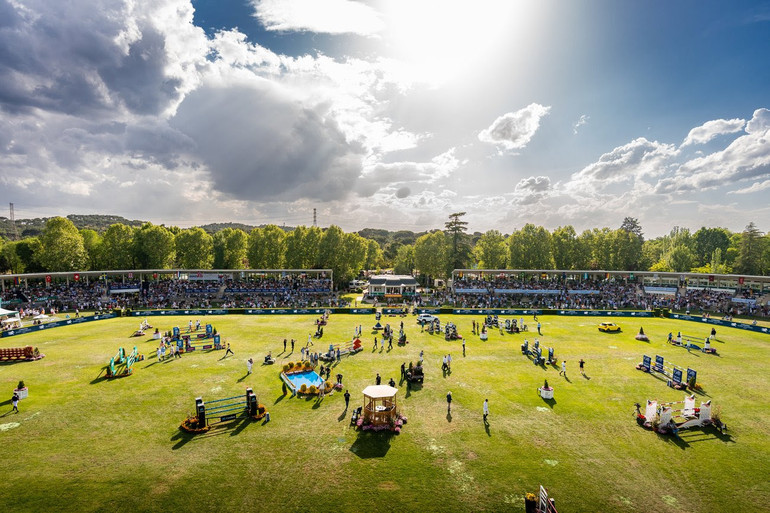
{"x": 395, "y": 427}
{"x": 190, "y": 425}
{"x": 261, "y": 412}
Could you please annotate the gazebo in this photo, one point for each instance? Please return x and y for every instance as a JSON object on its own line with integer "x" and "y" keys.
{"x": 380, "y": 405}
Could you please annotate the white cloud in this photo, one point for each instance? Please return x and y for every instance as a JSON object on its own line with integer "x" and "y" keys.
{"x": 746, "y": 158}
{"x": 514, "y": 130}
{"x": 759, "y": 122}
{"x": 579, "y": 123}
{"x": 631, "y": 162}
{"x": 755, "y": 187}
{"x": 414, "y": 176}
{"x": 711, "y": 129}
{"x": 320, "y": 16}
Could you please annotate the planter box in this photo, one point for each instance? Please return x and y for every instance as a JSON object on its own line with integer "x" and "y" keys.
{"x": 546, "y": 393}
{"x": 21, "y": 392}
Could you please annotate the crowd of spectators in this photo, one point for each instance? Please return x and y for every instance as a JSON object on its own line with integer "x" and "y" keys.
{"x": 101, "y": 295}
{"x": 306, "y": 291}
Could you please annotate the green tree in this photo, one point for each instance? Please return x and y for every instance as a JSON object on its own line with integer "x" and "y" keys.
{"x": 344, "y": 254}
{"x": 708, "y": 240}
{"x": 266, "y": 248}
{"x": 631, "y": 225}
{"x": 62, "y": 246}
{"x": 491, "y": 250}
{"x": 530, "y": 248}
{"x": 404, "y": 261}
{"x": 460, "y": 254}
{"x": 431, "y": 255}
{"x": 750, "y": 251}
{"x": 374, "y": 256}
{"x": 12, "y": 260}
{"x": 92, "y": 242}
{"x": 230, "y": 249}
{"x": 564, "y": 246}
{"x": 626, "y": 251}
{"x": 154, "y": 247}
{"x": 680, "y": 258}
{"x": 118, "y": 247}
{"x": 194, "y": 249}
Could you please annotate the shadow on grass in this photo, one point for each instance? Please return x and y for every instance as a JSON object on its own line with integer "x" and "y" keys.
{"x": 449, "y": 416}
{"x": 280, "y": 398}
{"x": 673, "y": 440}
{"x": 706, "y": 434}
{"x": 342, "y": 415}
{"x": 101, "y": 377}
{"x": 371, "y": 445}
{"x": 243, "y": 377}
{"x": 232, "y": 428}
{"x": 486, "y": 427}
{"x": 7, "y": 401}
{"x": 550, "y": 402}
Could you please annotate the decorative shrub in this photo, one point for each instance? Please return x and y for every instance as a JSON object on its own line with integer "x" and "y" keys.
{"x": 290, "y": 365}
{"x": 21, "y": 385}
{"x": 328, "y": 386}
{"x": 303, "y": 389}
{"x": 308, "y": 365}
{"x": 312, "y": 390}
{"x": 286, "y": 367}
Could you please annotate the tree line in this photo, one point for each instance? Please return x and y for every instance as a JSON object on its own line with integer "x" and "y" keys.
{"x": 61, "y": 246}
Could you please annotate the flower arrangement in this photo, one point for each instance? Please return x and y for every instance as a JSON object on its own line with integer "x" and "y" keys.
{"x": 530, "y": 497}
{"x": 191, "y": 425}
{"x": 261, "y": 412}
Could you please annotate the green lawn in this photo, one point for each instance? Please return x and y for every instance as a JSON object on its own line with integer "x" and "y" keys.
{"x": 82, "y": 443}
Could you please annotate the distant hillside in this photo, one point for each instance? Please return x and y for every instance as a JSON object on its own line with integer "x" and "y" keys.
{"x": 213, "y": 228}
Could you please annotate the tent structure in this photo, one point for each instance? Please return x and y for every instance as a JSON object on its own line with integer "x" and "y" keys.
{"x": 10, "y": 316}
{"x": 380, "y": 404}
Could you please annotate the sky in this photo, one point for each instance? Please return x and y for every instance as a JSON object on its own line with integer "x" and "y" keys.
{"x": 388, "y": 114}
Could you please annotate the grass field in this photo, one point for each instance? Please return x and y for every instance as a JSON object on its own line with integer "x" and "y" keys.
{"x": 83, "y": 443}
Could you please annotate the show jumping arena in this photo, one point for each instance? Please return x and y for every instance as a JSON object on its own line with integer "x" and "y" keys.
{"x": 82, "y": 443}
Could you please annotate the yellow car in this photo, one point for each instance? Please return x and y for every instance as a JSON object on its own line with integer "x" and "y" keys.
{"x": 609, "y": 327}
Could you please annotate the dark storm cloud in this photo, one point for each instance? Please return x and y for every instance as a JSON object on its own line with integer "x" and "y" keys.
{"x": 68, "y": 57}
{"x": 261, "y": 145}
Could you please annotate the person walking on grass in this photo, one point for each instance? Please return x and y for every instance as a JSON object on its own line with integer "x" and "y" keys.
{"x": 375, "y": 343}
{"x": 292, "y": 345}
{"x": 463, "y": 347}
{"x": 15, "y": 401}
{"x": 249, "y": 365}
{"x": 563, "y": 370}
{"x": 229, "y": 351}
{"x": 284, "y": 345}
{"x": 582, "y": 363}
{"x": 378, "y": 379}
{"x": 347, "y": 399}
{"x": 486, "y": 409}
{"x": 449, "y": 402}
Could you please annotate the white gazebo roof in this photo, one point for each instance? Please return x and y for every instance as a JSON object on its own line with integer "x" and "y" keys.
{"x": 3, "y": 311}
{"x": 380, "y": 391}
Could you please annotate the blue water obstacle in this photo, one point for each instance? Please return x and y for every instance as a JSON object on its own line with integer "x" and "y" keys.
{"x": 673, "y": 372}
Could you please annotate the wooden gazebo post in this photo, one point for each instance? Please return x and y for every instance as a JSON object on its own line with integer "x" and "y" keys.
{"x": 380, "y": 405}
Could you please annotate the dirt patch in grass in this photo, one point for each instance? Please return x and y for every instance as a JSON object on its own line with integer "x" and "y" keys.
{"x": 388, "y": 486}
